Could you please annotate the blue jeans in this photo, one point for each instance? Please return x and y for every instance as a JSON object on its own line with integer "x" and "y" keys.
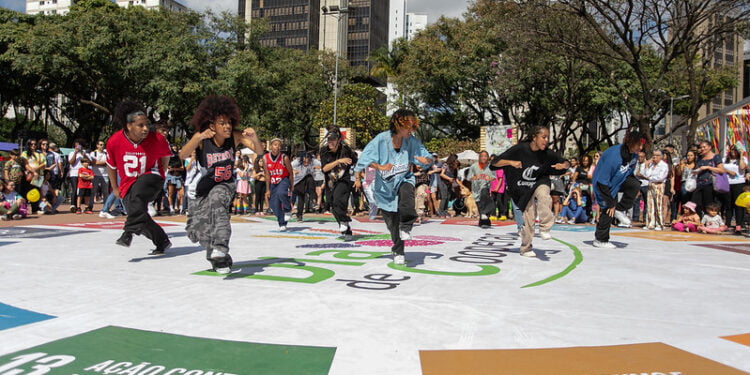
{"x": 578, "y": 214}
{"x": 279, "y": 200}
{"x": 517, "y": 215}
{"x": 114, "y": 203}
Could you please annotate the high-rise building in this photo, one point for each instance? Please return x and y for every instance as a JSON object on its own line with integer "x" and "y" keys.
{"x": 292, "y": 23}
{"x": 171, "y": 5}
{"x": 61, "y": 7}
{"x": 48, "y": 7}
{"x": 414, "y": 23}
{"x": 302, "y": 24}
{"x": 397, "y": 22}
{"x": 367, "y": 30}
{"x": 729, "y": 54}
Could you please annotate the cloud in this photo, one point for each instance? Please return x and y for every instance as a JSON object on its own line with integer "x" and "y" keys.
{"x": 436, "y": 8}
{"x": 215, "y": 5}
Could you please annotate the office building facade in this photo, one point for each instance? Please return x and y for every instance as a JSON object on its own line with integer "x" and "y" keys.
{"x": 301, "y": 24}
{"x": 62, "y": 7}
{"x": 292, "y": 23}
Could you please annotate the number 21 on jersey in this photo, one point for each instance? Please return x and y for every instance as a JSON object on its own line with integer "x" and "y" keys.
{"x": 134, "y": 166}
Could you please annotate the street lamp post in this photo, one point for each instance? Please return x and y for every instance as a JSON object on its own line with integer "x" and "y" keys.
{"x": 336, "y": 11}
{"x": 671, "y": 108}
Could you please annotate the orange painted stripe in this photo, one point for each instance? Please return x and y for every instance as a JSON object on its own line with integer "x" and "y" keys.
{"x": 743, "y": 339}
{"x": 620, "y": 359}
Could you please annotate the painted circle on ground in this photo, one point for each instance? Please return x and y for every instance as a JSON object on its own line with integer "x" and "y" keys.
{"x": 389, "y": 243}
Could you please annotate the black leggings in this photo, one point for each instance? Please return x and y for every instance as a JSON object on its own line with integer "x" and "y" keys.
{"x": 260, "y": 195}
{"x": 403, "y": 219}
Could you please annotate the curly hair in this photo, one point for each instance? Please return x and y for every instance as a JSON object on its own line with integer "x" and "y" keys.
{"x": 212, "y": 107}
{"x": 403, "y": 118}
{"x": 125, "y": 113}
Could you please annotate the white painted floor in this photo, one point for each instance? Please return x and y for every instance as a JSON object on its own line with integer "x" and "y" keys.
{"x": 648, "y": 290}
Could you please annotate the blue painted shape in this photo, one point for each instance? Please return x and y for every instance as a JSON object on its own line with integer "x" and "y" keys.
{"x": 13, "y": 317}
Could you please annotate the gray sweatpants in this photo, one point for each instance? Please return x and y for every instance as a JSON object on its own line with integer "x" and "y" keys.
{"x": 208, "y": 219}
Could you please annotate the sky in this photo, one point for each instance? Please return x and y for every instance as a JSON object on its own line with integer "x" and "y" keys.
{"x": 432, "y": 8}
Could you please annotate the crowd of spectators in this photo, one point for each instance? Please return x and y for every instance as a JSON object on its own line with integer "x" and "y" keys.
{"x": 690, "y": 192}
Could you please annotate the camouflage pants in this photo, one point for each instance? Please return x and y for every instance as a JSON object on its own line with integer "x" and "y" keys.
{"x": 208, "y": 219}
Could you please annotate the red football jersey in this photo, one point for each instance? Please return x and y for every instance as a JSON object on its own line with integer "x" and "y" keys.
{"x": 133, "y": 160}
{"x": 82, "y": 183}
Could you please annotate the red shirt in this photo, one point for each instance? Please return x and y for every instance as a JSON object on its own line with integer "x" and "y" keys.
{"x": 276, "y": 169}
{"x": 133, "y": 160}
{"x": 85, "y": 184}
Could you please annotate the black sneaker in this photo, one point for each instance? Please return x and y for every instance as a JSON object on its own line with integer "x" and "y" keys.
{"x": 161, "y": 248}
{"x": 222, "y": 265}
{"x": 485, "y": 223}
{"x": 125, "y": 239}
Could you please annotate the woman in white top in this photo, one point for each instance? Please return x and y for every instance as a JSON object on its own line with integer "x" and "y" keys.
{"x": 735, "y": 165}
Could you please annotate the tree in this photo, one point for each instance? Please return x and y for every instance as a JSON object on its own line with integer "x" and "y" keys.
{"x": 649, "y": 37}
{"x": 360, "y": 107}
{"x": 446, "y": 77}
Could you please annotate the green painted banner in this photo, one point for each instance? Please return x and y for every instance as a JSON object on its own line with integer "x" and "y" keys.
{"x": 123, "y": 351}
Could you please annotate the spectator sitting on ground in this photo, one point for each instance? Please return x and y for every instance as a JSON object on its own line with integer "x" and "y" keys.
{"x": 49, "y": 198}
{"x": 573, "y": 210}
{"x": 688, "y": 221}
{"x": 712, "y": 222}
{"x": 12, "y": 205}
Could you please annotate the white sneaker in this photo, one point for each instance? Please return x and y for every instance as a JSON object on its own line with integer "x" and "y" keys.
{"x": 483, "y": 217}
{"x": 343, "y": 227}
{"x": 529, "y": 254}
{"x": 623, "y": 219}
{"x": 604, "y": 245}
{"x": 282, "y": 228}
{"x": 559, "y": 220}
{"x": 399, "y": 260}
{"x": 287, "y": 216}
{"x": 101, "y": 214}
{"x": 657, "y": 228}
{"x": 405, "y": 236}
{"x": 545, "y": 235}
{"x": 151, "y": 210}
{"x": 572, "y": 221}
{"x": 106, "y": 215}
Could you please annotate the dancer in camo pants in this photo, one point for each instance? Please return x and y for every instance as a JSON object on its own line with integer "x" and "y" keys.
{"x": 215, "y": 141}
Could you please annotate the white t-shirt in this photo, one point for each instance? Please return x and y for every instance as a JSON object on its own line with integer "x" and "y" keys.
{"x": 99, "y": 170}
{"x": 75, "y": 164}
{"x": 712, "y": 221}
{"x": 734, "y": 166}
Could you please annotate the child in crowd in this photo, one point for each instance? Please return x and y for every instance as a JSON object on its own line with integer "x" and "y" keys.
{"x": 48, "y": 196}
{"x": 85, "y": 183}
{"x": 688, "y": 221}
{"x": 712, "y": 221}
{"x": 12, "y": 205}
{"x": 242, "y": 182}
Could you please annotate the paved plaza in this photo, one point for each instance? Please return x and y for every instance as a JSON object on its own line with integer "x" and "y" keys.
{"x": 305, "y": 302}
